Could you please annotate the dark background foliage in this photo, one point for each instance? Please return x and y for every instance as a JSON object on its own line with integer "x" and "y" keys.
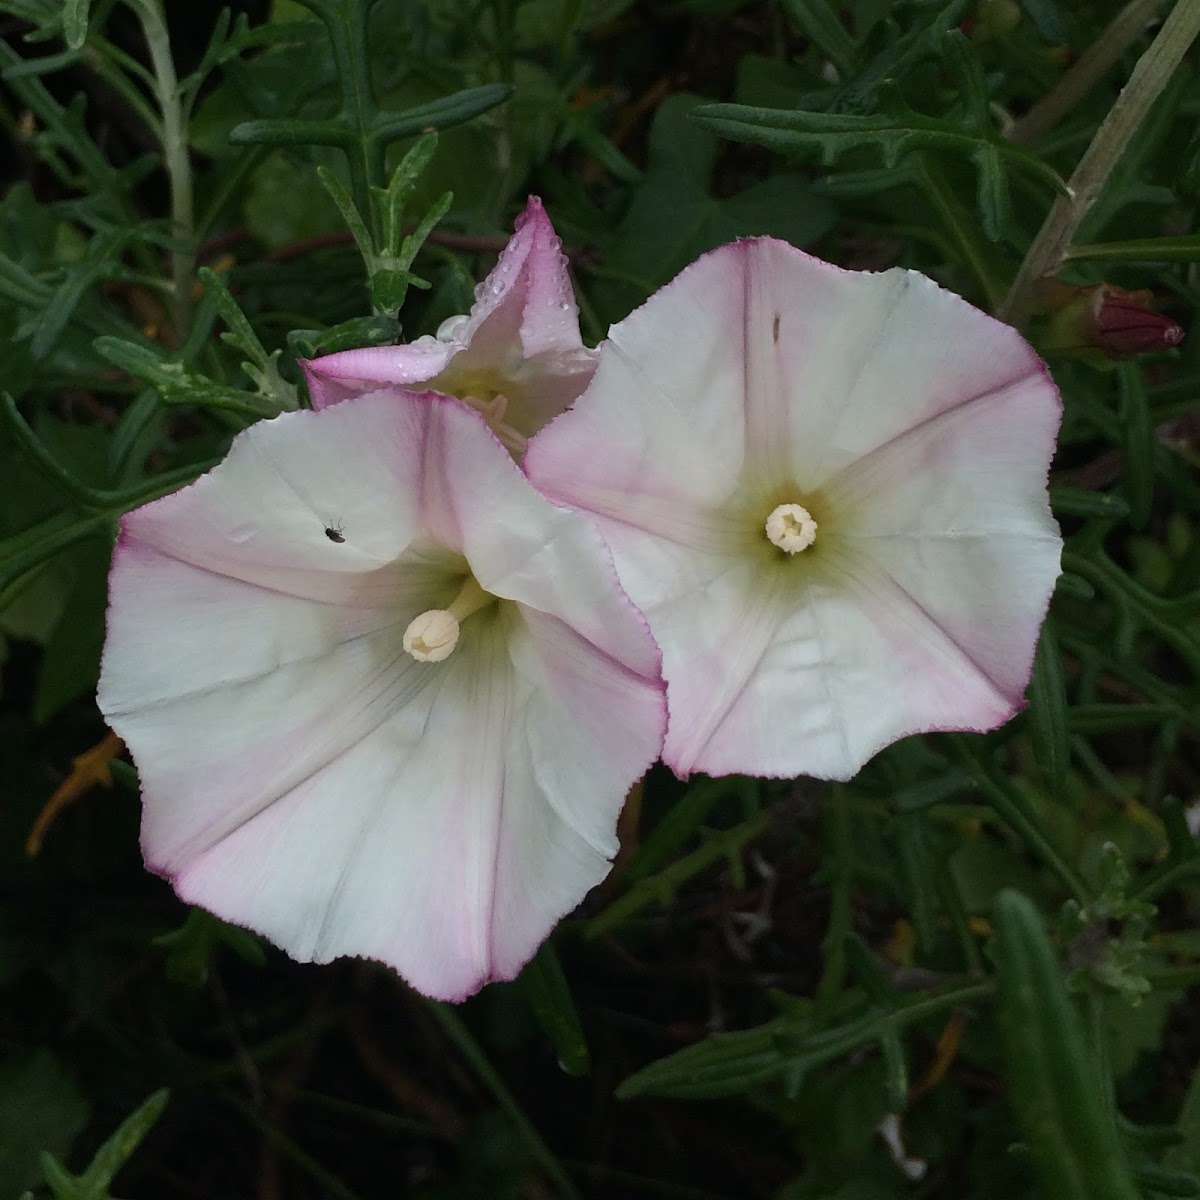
{"x": 993, "y": 939}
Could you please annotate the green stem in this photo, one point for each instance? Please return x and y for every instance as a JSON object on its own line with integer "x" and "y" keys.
{"x": 961, "y": 225}
{"x": 175, "y": 157}
{"x": 841, "y": 866}
{"x": 1093, "y": 64}
{"x": 1010, "y": 806}
{"x": 458, "y": 1033}
{"x": 1149, "y": 77}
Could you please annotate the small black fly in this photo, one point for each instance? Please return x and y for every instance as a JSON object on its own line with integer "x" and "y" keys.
{"x": 334, "y": 533}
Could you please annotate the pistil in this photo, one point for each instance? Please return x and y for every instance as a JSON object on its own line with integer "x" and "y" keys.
{"x": 433, "y": 635}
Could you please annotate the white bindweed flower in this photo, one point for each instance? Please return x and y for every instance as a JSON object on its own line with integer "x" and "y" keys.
{"x": 827, "y": 492}
{"x": 517, "y": 357}
{"x": 385, "y": 700}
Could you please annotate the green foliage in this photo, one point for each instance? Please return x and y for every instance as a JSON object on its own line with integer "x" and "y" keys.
{"x": 987, "y": 942}
{"x": 1056, "y": 1090}
{"x": 41, "y": 1108}
{"x": 110, "y": 1158}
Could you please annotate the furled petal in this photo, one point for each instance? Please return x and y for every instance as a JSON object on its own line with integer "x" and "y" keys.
{"x": 920, "y": 432}
{"x": 521, "y": 339}
{"x": 302, "y": 774}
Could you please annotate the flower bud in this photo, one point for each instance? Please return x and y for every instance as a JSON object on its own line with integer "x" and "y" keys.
{"x": 1118, "y": 323}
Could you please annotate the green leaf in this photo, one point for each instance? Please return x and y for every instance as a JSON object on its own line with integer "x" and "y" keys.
{"x": 832, "y": 134}
{"x": 673, "y": 216}
{"x": 378, "y": 330}
{"x": 823, "y": 25}
{"x": 1053, "y": 1084}
{"x": 1137, "y": 426}
{"x": 1048, "y": 712}
{"x": 545, "y": 987}
{"x": 356, "y": 222}
{"x": 1186, "y": 1155}
{"x": 175, "y": 384}
{"x": 1092, "y": 719}
{"x": 70, "y": 665}
{"x": 992, "y": 196}
{"x": 1077, "y": 502}
{"x": 110, "y": 1158}
{"x": 785, "y": 1048}
{"x": 440, "y": 114}
{"x": 1182, "y": 248}
{"x": 75, "y": 22}
{"x": 192, "y": 947}
{"x": 41, "y": 1108}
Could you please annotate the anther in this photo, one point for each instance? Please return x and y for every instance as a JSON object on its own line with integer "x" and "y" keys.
{"x": 791, "y": 528}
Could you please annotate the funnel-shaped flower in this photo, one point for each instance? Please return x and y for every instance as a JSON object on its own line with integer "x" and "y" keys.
{"x": 385, "y": 699}
{"x": 827, "y": 492}
{"x": 517, "y": 356}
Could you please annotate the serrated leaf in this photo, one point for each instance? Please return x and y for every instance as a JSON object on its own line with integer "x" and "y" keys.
{"x": 833, "y": 134}
{"x": 175, "y": 384}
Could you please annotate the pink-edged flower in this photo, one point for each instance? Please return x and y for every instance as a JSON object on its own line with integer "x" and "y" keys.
{"x": 517, "y": 356}
{"x": 827, "y": 492}
{"x": 385, "y": 700}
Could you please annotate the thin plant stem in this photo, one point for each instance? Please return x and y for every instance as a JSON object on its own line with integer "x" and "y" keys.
{"x": 175, "y": 158}
{"x": 1094, "y": 63}
{"x": 1149, "y": 77}
{"x": 1009, "y": 805}
{"x": 458, "y": 1033}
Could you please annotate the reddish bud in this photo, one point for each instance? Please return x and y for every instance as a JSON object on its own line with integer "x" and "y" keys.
{"x": 1120, "y": 324}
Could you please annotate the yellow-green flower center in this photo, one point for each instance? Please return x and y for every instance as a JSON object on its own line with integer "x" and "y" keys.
{"x": 490, "y": 394}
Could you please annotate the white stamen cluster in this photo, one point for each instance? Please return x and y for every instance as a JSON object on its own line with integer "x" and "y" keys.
{"x": 791, "y": 528}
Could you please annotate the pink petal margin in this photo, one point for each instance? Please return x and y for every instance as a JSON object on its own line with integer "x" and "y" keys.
{"x": 927, "y": 426}
{"x": 304, "y": 777}
{"x": 530, "y": 278}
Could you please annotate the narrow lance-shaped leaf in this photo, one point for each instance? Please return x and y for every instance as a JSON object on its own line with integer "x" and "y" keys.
{"x": 1048, "y": 711}
{"x": 75, "y": 22}
{"x": 549, "y": 996}
{"x": 821, "y": 23}
{"x": 1053, "y": 1084}
{"x": 1138, "y": 427}
{"x": 832, "y": 134}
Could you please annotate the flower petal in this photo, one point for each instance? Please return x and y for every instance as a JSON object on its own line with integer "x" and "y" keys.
{"x": 527, "y": 300}
{"x": 301, "y": 773}
{"x": 522, "y": 335}
{"x": 333, "y": 378}
{"x": 921, "y": 428}
{"x": 666, "y": 405}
